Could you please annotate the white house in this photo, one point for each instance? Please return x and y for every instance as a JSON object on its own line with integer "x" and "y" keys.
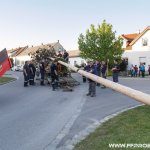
{"x": 74, "y": 57}
{"x": 20, "y": 55}
{"x": 137, "y": 48}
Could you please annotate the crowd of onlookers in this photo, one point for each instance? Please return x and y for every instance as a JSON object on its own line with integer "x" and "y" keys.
{"x": 140, "y": 70}
{"x": 100, "y": 69}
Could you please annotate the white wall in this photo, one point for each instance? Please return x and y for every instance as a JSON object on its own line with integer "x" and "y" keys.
{"x": 138, "y": 45}
{"x": 78, "y": 60}
{"x": 139, "y": 53}
{"x": 134, "y": 57}
{"x": 20, "y": 60}
{"x": 124, "y": 43}
{"x": 58, "y": 47}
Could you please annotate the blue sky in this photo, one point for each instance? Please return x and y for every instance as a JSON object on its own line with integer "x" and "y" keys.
{"x": 32, "y": 22}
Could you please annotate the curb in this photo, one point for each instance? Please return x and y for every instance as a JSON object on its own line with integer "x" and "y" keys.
{"x": 69, "y": 145}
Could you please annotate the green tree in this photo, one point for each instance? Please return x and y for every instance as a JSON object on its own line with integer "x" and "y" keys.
{"x": 43, "y": 54}
{"x": 100, "y": 43}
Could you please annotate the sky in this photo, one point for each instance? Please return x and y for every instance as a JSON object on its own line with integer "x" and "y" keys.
{"x": 32, "y": 22}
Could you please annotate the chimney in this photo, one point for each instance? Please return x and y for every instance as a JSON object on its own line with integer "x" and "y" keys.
{"x": 58, "y": 41}
{"x": 41, "y": 43}
{"x": 139, "y": 31}
{"x": 32, "y": 46}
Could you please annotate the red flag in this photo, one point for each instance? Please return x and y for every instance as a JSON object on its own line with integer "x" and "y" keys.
{"x": 4, "y": 62}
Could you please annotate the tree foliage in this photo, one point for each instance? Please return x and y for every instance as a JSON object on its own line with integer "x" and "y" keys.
{"x": 100, "y": 43}
{"x": 43, "y": 54}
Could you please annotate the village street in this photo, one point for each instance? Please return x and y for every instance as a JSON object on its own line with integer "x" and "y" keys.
{"x": 37, "y": 118}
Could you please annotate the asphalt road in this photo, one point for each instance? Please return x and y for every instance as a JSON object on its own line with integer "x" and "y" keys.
{"x": 37, "y": 118}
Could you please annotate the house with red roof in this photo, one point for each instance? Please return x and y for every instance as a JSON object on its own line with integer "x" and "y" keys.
{"x": 136, "y": 47}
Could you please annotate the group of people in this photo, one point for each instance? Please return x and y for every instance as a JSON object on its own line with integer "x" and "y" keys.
{"x": 29, "y": 71}
{"x": 99, "y": 69}
{"x": 138, "y": 71}
{"x": 65, "y": 55}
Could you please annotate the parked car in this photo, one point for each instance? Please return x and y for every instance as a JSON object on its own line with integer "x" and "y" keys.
{"x": 18, "y": 68}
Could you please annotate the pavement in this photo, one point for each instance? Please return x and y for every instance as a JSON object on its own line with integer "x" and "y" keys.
{"x": 37, "y": 118}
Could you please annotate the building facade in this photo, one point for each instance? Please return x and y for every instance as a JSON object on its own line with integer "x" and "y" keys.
{"x": 20, "y": 55}
{"x": 75, "y": 59}
{"x": 137, "y": 48}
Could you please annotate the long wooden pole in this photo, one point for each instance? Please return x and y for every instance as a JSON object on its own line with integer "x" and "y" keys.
{"x": 135, "y": 94}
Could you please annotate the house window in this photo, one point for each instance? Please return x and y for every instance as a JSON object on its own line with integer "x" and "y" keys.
{"x": 144, "y": 42}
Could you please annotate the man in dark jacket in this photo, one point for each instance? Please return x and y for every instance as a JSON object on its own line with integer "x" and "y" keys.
{"x": 54, "y": 75}
{"x": 86, "y": 68}
{"x": 66, "y": 56}
{"x": 92, "y": 84}
{"x": 26, "y": 73}
{"x": 115, "y": 70}
{"x": 42, "y": 71}
{"x": 59, "y": 54}
{"x": 32, "y": 73}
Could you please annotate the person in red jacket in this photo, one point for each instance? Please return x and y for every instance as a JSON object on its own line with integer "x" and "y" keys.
{"x": 135, "y": 71}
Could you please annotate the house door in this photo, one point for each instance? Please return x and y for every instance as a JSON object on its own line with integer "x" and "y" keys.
{"x": 142, "y": 60}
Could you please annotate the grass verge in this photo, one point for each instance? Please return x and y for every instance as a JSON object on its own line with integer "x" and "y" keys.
{"x": 129, "y": 127}
{"x": 4, "y": 80}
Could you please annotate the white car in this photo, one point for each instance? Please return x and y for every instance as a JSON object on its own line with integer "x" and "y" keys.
{"x": 18, "y": 68}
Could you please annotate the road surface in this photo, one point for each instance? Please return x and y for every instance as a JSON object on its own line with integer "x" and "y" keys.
{"x": 37, "y": 118}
